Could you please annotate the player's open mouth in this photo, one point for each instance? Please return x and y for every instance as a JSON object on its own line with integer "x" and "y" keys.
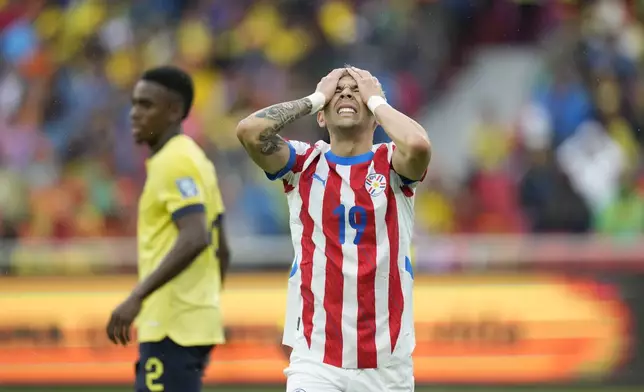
{"x": 346, "y": 110}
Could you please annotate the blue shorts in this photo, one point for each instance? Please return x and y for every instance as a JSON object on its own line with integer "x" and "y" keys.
{"x": 168, "y": 367}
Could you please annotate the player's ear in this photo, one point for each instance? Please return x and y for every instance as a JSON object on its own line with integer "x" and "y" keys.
{"x": 176, "y": 111}
{"x": 321, "y": 120}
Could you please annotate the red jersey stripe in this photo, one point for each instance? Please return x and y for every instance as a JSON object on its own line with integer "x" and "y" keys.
{"x": 396, "y": 299}
{"x": 407, "y": 191}
{"x": 362, "y": 218}
{"x": 308, "y": 247}
{"x": 334, "y": 221}
{"x": 301, "y": 159}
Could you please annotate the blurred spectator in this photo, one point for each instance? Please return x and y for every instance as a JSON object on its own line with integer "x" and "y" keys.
{"x": 548, "y": 198}
{"x": 434, "y": 209}
{"x": 566, "y": 100}
{"x": 593, "y": 162}
{"x": 8, "y": 235}
{"x": 624, "y": 216}
{"x": 492, "y": 141}
{"x": 495, "y": 209}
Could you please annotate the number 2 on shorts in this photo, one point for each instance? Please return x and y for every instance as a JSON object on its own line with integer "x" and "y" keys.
{"x": 153, "y": 372}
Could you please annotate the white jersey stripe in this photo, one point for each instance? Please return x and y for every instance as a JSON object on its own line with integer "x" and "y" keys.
{"x": 383, "y": 341}
{"x": 294, "y": 299}
{"x": 318, "y": 335}
{"x": 350, "y": 272}
{"x": 407, "y": 338}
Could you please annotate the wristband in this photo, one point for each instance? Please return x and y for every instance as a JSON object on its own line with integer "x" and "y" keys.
{"x": 375, "y": 101}
{"x": 318, "y": 100}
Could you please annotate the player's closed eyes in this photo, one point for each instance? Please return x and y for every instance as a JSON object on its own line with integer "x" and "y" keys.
{"x": 339, "y": 90}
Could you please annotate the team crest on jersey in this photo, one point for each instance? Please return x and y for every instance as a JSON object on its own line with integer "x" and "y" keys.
{"x": 375, "y": 184}
{"x": 187, "y": 187}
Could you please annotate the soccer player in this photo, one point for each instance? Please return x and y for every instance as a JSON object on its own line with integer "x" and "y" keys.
{"x": 182, "y": 250}
{"x": 349, "y": 311}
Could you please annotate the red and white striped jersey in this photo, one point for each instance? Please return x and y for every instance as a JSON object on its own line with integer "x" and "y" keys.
{"x": 350, "y": 287}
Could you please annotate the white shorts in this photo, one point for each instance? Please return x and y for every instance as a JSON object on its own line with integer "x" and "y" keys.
{"x": 306, "y": 375}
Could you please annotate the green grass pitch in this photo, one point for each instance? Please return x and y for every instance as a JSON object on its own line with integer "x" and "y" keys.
{"x": 281, "y": 389}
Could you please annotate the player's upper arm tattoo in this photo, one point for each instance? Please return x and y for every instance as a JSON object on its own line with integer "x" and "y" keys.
{"x": 270, "y": 141}
{"x": 281, "y": 114}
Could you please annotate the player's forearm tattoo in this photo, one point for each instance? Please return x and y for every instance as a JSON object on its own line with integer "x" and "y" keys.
{"x": 282, "y": 114}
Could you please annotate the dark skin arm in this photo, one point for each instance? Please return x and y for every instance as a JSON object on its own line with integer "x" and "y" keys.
{"x": 286, "y": 350}
{"x": 192, "y": 239}
{"x": 223, "y": 253}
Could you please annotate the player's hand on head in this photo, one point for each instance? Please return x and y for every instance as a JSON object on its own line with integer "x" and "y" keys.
{"x": 329, "y": 83}
{"x": 118, "y": 328}
{"x": 368, "y": 84}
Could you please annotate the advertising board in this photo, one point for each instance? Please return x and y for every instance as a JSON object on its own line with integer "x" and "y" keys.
{"x": 483, "y": 329}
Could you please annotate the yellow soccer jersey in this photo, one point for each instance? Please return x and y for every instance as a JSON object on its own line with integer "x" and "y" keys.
{"x": 180, "y": 179}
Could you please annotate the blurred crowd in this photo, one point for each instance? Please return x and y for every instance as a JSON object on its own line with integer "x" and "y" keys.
{"x": 69, "y": 168}
{"x": 571, "y": 162}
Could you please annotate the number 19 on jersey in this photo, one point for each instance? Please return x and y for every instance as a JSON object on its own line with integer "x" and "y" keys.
{"x": 357, "y": 219}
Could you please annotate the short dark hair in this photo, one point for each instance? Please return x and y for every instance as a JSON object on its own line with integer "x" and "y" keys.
{"x": 176, "y": 80}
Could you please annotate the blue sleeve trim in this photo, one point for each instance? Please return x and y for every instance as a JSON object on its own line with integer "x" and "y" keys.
{"x": 407, "y": 181}
{"x": 187, "y": 210}
{"x": 287, "y": 168}
{"x": 408, "y": 267}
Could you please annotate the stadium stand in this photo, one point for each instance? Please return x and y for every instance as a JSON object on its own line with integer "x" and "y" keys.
{"x": 68, "y": 167}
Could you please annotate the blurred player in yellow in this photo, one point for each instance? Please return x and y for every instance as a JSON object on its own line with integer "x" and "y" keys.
{"x": 182, "y": 252}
